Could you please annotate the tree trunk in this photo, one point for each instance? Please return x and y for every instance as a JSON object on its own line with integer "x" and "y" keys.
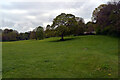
{"x": 62, "y": 38}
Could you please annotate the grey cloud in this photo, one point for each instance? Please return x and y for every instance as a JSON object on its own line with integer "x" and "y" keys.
{"x": 42, "y": 5}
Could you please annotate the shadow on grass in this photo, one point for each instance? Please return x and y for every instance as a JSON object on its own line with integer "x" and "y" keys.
{"x": 67, "y": 39}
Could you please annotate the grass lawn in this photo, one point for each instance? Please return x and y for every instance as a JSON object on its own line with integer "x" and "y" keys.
{"x": 77, "y": 57}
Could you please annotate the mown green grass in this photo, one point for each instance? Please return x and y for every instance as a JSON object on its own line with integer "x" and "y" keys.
{"x": 77, "y": 57}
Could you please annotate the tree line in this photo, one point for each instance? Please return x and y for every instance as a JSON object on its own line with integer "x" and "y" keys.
{"x": 105, "y": 21}
{"x": 13, "y": 35}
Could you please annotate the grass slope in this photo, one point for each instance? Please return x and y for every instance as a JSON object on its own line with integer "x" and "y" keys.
{"x": 77, "y": 57}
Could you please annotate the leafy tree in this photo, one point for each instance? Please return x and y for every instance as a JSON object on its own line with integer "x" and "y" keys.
{"x": 64, "y": 24}
{"x": 9, "y": 35}
{"x": 50, "y": 32}
{"x": 80, "y": 26}
{"x": 39, "y": 33}
{"x": 90, "y": 27}
{"x": 48, "y": 27}
{"x": 62, "y": 30}
{"x": 32, "y": 35}
{"x": 106, "y": 16}
{"x": 21, "y": 36}
{"x": 27, "y": 35}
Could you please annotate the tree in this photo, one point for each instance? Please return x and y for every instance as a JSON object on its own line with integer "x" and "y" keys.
{"x": 32, "y": 35}
{"x": 13, "y": 35}
{"x": 80, "y": 26}
{"x": 27, "y": 35}
{"x": 9, "y": 35}
{"x": 62, "y": 30}
{"x": 107, "y": 17}
{"x": 90, "y": 27}
{"x": 48, "y": 27}
{"x": 39, "y": 33}
{"x": 64, "y": 24}
{"x": 50, "y": 32}
{"x": 21, "y": 36}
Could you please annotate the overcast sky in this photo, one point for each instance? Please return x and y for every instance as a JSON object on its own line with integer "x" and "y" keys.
{"x": 25, "y": 15}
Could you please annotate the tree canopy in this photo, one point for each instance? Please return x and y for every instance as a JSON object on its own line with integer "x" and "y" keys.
{"x": 107, "y": 18}
{"x": 66, "y": 24}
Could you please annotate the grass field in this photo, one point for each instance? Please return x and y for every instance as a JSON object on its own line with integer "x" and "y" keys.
{"x": 77, "y": 57}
